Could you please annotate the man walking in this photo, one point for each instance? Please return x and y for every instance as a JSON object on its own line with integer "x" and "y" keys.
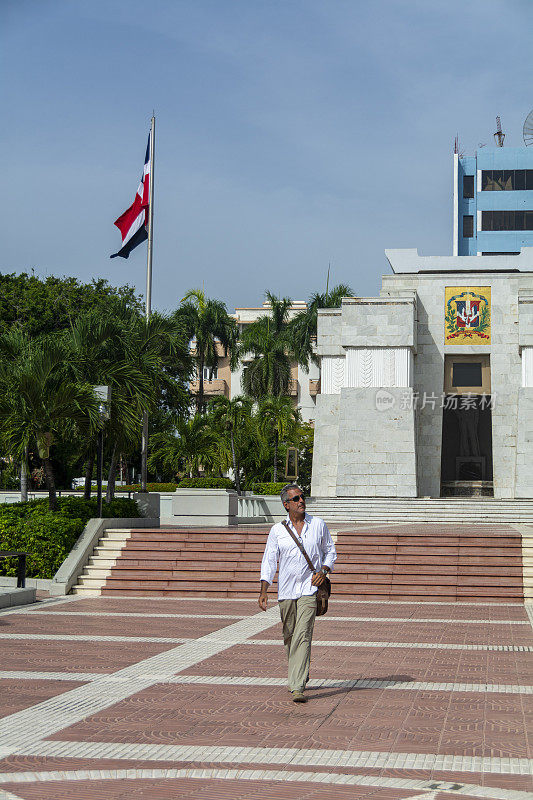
{"x": 297, "y": 584}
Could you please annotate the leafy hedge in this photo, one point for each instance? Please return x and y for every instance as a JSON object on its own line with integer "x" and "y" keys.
{"x": 49, "y": 536}
{"x": 150, "y": 487}
{"x": 267, "y": 488}
{"x": 206, "y": 483}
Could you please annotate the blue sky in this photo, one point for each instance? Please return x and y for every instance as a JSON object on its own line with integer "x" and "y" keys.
{"x": 290, "y": 134}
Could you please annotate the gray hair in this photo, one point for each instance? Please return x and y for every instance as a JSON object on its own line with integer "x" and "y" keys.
{"x": 284, "y": 492}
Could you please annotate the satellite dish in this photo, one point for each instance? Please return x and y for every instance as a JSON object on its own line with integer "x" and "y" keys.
{"x": 528, "y": 130}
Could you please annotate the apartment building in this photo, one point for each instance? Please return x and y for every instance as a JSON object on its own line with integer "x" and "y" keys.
{"x": 304, "y": 385}
{"x": 493, "y": 202}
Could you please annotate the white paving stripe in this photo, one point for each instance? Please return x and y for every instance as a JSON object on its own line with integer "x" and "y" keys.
{"x": 315, "y": 683}
{"x": 141, "y": 614}
{"x": 30, "y": 608}
{"x": 414, "y": 619}
{"x": 80, "y": 637}
{"x": 422, "y": 645}
{"x": 330, "y": 778}
{"x": 319, "y": 620}
{"x": 8, "y": 795}
{"x": 318, "y": 757}
{"x": 529, "y": 611}
{"x": 53, "y": 715}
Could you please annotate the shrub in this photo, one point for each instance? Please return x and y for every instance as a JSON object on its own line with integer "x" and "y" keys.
{"x": 48, "y": 536}
{"x": 267, "y": 488}
{"x": 206, "y": 483}
{"x": 150, "y": 487}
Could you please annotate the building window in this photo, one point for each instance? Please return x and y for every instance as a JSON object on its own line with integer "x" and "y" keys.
{"x": 468, "y": 186}
{"x": 506, "y": 180}
{"x": 507, "y": 220}
{"x": 210, "y": 374}
{"x": 466, "y": 374}
{"x": 468, "y": 226}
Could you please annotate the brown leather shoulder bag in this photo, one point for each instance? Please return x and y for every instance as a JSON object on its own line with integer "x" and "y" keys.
{"x": 324, "y": 590}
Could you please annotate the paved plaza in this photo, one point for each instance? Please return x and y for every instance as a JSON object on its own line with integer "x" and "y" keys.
{"x": 106, "y": 698}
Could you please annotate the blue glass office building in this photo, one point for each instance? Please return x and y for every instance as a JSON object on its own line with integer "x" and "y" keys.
{"x": 493, "y": 201}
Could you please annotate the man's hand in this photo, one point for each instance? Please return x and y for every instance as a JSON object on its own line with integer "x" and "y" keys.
{"x": 263, "y": 601}
{"x": 318, "y": 579}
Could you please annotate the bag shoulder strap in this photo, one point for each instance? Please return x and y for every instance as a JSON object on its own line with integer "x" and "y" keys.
{"x": 299, "y": 545}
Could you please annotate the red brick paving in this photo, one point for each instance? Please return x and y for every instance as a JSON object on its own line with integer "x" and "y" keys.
{"x": 353, "y": 663}
{"x": 471, "y": 724}
{"x": 503, "y": 611}
{"x": 202, "y": 789}
{"x": 19, "y": 694}
{"x": 160, "y": 605}
{"x": 71, "y": 656}
{"x": 391, "y": 721}
{"x": 424, "y": 632}
{"x": 110, "y": 626}
{"x": 41, "y": 764}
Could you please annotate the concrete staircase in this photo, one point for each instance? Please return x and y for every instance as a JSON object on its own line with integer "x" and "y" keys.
{"x": 180, "y": 563}
{"x": 103, "y": 559}
{"x": 379, "y": 562}
{"x": 457, "y": 511}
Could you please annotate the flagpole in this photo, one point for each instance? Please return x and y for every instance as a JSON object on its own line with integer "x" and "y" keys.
{"x": 144, "y": 447}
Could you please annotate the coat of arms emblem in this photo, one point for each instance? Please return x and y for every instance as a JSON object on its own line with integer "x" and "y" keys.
{"x": 467, "y": 315}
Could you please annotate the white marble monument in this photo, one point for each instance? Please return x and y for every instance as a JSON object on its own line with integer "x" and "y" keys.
{"x": 427, "y": 390}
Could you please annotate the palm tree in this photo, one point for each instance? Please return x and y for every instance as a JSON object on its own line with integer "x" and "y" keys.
{"x": 268, "y": 343}
{"x": 233, "y": 418}
{"x": 38, "y": 405}
{"x": 303, "y": 327}
{"x": 208, "y": 324}
{"x": 193, "y": 444}
{"x": 144, "y": 362}
{"x": 279, "y": 420}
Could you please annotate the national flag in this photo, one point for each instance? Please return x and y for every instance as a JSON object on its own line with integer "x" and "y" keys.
{"x": 133, "y": 223}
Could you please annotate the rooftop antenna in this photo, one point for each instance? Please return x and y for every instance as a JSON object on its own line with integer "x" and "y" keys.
{"x": 327, "y": 280}
{"x": 457, "y": 147}
{"x": 499, "y": 136}
{"x": 527, "y": 131}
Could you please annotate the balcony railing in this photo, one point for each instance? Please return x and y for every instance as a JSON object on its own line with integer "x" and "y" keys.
{"x": 213, "y": 388}
{"x": 293, "y": 388}
{"x": 314, "y": 387}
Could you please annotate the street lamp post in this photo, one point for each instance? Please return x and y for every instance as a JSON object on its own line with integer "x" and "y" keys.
{"x": 103, "y": 395}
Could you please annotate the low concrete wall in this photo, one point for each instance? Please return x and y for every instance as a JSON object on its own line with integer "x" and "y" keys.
{"x": 257, "y": 508}
{"x": 16, "y": 597}
{"x": 200, "y": 507}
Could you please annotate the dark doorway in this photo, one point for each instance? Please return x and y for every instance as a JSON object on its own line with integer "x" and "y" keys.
{"x": 466, "y": 460}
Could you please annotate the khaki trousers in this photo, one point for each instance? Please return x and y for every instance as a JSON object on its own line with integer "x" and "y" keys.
{"x": 298, "y": 618}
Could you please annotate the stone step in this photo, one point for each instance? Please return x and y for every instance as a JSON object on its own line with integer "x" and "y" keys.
{"x": 91, "y": 582}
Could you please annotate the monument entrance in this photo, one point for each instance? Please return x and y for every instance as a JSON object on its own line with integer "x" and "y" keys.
{"x": 466, "y": 455}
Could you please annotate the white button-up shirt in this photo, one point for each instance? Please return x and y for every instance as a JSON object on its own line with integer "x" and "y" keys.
{"x": 294, "y": 579}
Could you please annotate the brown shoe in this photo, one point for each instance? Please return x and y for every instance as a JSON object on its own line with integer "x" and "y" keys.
{"x": 298, "y": 697}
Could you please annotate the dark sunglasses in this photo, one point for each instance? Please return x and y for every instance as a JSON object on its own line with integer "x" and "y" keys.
{"x": 296, "y": 498}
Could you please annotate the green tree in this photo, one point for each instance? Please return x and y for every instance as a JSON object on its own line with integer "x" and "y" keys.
{"x": 208, "y": 325}
{"x": 47, "y": 305}
{"x": 279, "y": 420}
{"x": 192, "y": 445}
{"x": 38, "y": 406}
{"x": 233, "y": 419}
{"x": 146, "y": 364}
{"x": 303, "y": 327}
{"x": 267, "y": 343}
